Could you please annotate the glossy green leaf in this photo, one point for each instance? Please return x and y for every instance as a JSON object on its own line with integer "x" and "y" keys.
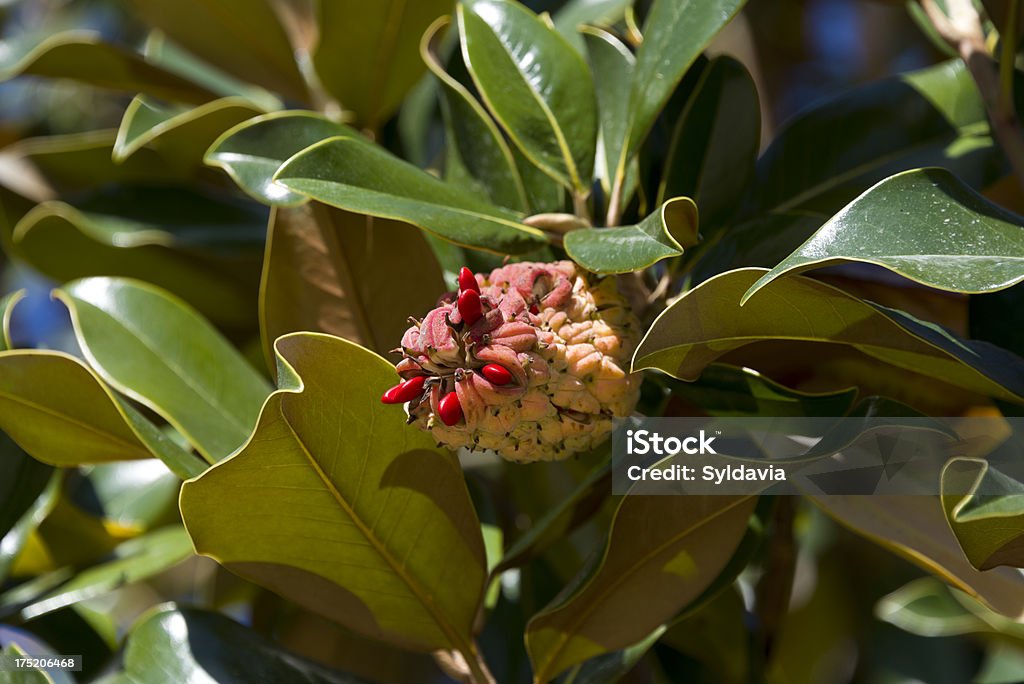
{"x": 82, "y": 56}
{"x": 180, "y": 134}
{"x": 613, "y": 64}
{"x": 7, "y": 304}
{"x": 133, "y": 561}
{"x": 381, "y": 37}
{"x": 175, "y": 249}
{"x": 58, "y": 411}
{"x": 474, "y": 144}
{"x": 941, "y": 122}
{"x": 929, "y": 608}
{"x": 155, "y": 349}
{"x": 350, "y": 174}
{"x": 170, "y": 645}
{"x": 536, "y": 85}
{"x": 253, "y": 151}
{"x": 723, "y": 390}
{"x": 675, "y": 33}
{"x": 337, "y": 505}
{"x": 715, "y": 142}
{"x": 925, "y": 225}
{"x": 133, "y": 495}
{"x": 662, "y": 235}
{"x": 799, "y": 309}
{"x": 985, "y": 509}
{"x": 575, "y": 14}
{"x": 242, "y": 37}
{"x": 662, "y": 553}
{"x": 332, "y": 271}
{"x": 915, "y": 528}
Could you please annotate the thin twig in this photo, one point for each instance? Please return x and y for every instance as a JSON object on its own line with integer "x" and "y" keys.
{"x": 962, "y": 29}
{"x": 1008, "y": 58}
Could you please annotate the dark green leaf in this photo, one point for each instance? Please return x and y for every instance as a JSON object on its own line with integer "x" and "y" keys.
{"x": 133, "y": 495}
{"x": 576, "y": 13}
{"x": 12, "y": 543}
{"x": 332, "y": 271}
{"x": 613, "y": 63}
{"x": 536, "y": 85}
{"x": 925, "y": 225}
{"x": 253, "y": 151}
{"x": 715, "y": 142}
{"x": 662, "y": 235}
{"x": 241, "y": 37}
{"x": 932, "y": 117}
{"x": 82, "y": 56}
{"x": 662, "y": 553}
{"x": 338, "y": 505}
{"x": 675, "y": 33}
{"x": 985, "y": 509}
{"x": 801, "y": 309}
{"x": 368, "y": 56}
{"x": 474, "y": 144}
{"x": 1003, "y": 664}
{"x": 170, "y": 645}
{"x": 181, "y": 135}
{"x": 350, "y": 174}
{"x": 58, "y": 411}
{"x": 22, "y": 480}
{"x": 155, "y": 349}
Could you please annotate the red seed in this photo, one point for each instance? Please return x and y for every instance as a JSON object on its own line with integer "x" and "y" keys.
{"x": 406, "y": 391}
{"x": 469, "y": 306}
{"x": 498, "y": 375}
{"x": 467, "y": 281}
{"x": 450, "y": 409}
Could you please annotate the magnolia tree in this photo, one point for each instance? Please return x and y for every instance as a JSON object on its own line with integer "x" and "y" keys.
{"x": 357, "y": 290}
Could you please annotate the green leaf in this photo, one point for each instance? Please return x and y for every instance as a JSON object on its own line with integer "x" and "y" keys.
{"x": 382, "y": 38}
{"x": 915, "y": 528}
{"x": 340, "y": 507}
{"x": 350, "y": 174}
{"x": 941, "y": 122}
{"x": 241, "y": 37}
{"x": 662, "y": 553}
{"x": 64, "y": 243}
{"x": 7, "y": 304}
{"x": 31, "y": 675}
{"x": 133, "y": 561}
{"x": 715, "y": 142}
{"x": 82, "y": 56}
{"x": 155, "y": 349}
{"x": 12, "y": 543}
{"x": 253, "y": 151}
{"x": 180, "y": 134}
{"x": 170, "y": 645}
{"x": 612, "y": 60}
{"x": 927, "y": 607}
{"x": 662, "y": 235}
{"x": 58, "y": 411}
{"x": 925, "y": 225}
{"x": 573, "y": 15}
{"x": 1003, "y": 664}
{"x": 22, "y": 480}
{"x": 723, "y": 390}
{"x": 985, "y": 509}
{"x": 332, "y": 271}
{"x": 536, "y": 85}
{"x": 675, "y": 33}
{"x": 133, "y": 495}
{"x": 474, "y": 145}
{"x": 799, "y": 309}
